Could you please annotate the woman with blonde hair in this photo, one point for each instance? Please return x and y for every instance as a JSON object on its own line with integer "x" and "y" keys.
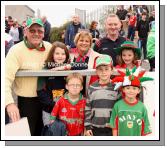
{"x": 84, "y": 56}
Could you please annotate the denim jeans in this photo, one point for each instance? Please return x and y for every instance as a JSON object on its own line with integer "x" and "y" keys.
{"x": 131, "y": 32}
{"x": 142, "y": 45}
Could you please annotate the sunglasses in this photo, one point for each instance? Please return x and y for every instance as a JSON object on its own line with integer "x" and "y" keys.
{"x": 74, "y": 85}
{"x": 33, "y": 31}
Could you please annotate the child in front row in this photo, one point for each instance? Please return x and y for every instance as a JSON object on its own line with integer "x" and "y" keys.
{"x": 101, "y": 99}
{"x": 70, "y": 107}
{"x": 51, "y": 88}
{"x": 129, "y": 115}
{"x": 128, "y": 55}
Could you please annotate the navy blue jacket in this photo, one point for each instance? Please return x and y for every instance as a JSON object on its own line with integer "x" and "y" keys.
{"x": 70, "y": 35}
{"x": 57, "y": 128}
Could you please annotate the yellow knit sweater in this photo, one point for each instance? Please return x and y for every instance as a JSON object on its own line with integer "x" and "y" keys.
{"x": 20, "y": 58}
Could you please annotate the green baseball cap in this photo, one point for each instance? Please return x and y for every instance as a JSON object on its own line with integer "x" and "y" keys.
{"x": 103, "y": 60}
{"x": 129, "y": 45}
{"x": 32, "y": 21}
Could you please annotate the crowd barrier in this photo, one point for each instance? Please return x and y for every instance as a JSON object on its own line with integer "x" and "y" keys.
{"x": 30, "y": 73}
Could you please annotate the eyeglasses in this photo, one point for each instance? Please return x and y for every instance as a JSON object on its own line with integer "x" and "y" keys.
{"x": 74, "y": 85}
{"x": 34, "y": 31}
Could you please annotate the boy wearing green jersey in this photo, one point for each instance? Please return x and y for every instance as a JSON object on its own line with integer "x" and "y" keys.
{"x": 129, "y": 115}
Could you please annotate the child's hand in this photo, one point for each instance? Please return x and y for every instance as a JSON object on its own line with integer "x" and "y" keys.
{"x": 58, "y": 68}
{"x": 114, "y": 132}
{"x": 51, "y": 121}
{"x": 88, "y": 133}
{"x": 55, "y": 68}
{"x": 108, "y": 125}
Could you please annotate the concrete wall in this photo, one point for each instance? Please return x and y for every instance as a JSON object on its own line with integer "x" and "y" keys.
{"x": 19, "y": 12}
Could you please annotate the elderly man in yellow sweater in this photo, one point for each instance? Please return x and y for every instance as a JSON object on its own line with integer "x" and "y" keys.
{"x": 29, "y": 54}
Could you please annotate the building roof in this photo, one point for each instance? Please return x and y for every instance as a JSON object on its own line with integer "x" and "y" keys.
{"x": 30, "y": 8}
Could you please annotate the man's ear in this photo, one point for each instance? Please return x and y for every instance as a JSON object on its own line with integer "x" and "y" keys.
{"x": 66, "y": 86}
{"x": 119, "y": 25}
{"x": 25, "y": 31}
{"x": 81, "y": 87}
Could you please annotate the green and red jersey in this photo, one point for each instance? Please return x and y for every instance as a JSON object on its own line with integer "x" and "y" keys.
{"x": 71, "y": 113}
{"x": 130, "y": 119}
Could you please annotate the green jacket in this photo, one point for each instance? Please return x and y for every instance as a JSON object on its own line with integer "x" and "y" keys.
{"x": 151, "y": 44}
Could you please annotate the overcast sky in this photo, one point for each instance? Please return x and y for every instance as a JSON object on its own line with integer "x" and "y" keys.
{"x": 59, "y": 14}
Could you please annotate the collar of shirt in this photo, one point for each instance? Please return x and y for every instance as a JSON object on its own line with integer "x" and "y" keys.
{"x": 102, "y": 85}
{"x": 80, "y": 57}
{"x": 41, "y": 47}
{"x": 111, "y": 39}
{"x": 66, "y": 96}
{"x": 129, "y": 103}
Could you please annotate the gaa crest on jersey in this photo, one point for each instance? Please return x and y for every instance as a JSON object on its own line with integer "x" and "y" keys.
{"x": 64, "y": 110}
{"x": 129, "y": 124}
{"x": 81, "y": 111}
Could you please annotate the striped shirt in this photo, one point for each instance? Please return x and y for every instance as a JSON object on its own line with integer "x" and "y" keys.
{"x": 99, "y": 104}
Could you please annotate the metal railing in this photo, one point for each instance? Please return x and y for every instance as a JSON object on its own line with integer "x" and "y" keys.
{"x": 38, "y": 73}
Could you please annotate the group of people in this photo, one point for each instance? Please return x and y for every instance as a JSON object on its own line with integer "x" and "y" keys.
{"x": 87, "y": 105}
{"x": 14, "y": 29}
{"x": 14, "y": 32}
{"x": 141, "y": 29}
{"x": 140, "y": 24}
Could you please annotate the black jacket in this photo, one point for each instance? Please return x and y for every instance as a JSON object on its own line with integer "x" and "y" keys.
{"x": 142, "y": 28}
{"x": 95, "y": 34}
{"x": 50, "y": 89}
{"x": 47, "y": 28}
{"x": 107, "y": 46}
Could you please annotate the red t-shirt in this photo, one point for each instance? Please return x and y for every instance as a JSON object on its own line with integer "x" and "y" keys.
{"x": 132, "y": 20}
{"x": 72, "y": 114}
